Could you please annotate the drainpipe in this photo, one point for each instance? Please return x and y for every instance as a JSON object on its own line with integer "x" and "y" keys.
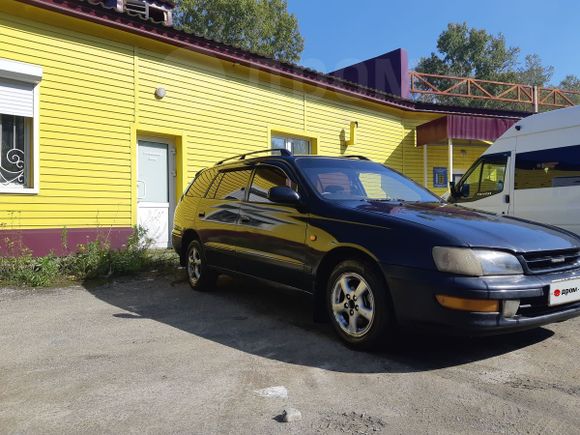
{"x": 425, "y": 166}
{"x": 450, "y": 164}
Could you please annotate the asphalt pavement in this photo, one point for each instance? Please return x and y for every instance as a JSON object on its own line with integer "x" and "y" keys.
{"x": 150, "y": 355}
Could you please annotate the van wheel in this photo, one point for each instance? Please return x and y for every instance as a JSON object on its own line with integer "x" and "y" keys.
{"x": 358, "y": 306}
{"x": 199, "y": 276}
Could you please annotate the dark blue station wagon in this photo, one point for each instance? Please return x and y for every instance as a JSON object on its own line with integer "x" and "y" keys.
{"x": 376, "y": 250}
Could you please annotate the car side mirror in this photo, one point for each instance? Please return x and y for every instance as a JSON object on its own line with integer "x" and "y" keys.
{"x": 283, "y": 195}
{"x": 465, "y": 190}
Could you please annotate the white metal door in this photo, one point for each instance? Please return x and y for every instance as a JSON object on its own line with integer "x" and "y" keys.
{"x": 156, "y": 190}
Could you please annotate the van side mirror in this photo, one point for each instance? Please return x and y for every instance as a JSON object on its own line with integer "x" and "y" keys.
{"x": 452, "y": 187}
{"x": 283, "y": 195}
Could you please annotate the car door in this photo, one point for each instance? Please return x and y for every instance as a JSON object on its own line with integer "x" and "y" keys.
{"x": 217, "y": 217}
{"x": 273, "y": 235}
{"x": 487, "y": 185}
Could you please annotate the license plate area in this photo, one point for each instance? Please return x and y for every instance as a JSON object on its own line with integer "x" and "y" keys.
{"x": 564, "y": 292}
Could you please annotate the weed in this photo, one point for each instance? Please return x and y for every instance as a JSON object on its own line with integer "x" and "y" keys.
{"x": 28, "y": 271}
{"x": 92, "y": 260}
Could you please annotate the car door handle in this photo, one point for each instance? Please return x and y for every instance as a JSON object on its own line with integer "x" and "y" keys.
{"x": 245, "y": 219}
{"x": 201, "y": 214}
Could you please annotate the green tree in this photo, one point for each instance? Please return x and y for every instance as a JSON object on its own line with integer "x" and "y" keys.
{"x": 571, "y": 83}
{"x": 262, "y": 26}
{"x": 463, "y": 51}
{"x": 468, "y": 52}
{"x": 534, "y": 73}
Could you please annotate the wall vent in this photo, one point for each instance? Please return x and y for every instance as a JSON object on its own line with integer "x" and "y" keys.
{"x": 137, "y": 7}
{"x": 149, "y": 10}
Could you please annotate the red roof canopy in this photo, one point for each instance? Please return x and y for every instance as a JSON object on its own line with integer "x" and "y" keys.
{"x": 462, "y": 127}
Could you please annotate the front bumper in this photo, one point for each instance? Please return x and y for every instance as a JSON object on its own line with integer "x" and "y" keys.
{"x": 413, "y": 292}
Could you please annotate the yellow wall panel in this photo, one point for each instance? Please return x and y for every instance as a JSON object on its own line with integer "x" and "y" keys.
{"x": 97, "y": 98}
{"x": 86, "y": 112}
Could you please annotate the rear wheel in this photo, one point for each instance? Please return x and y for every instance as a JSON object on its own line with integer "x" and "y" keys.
{"x": 199, "y": 276}
{"x": 358, "y": 305}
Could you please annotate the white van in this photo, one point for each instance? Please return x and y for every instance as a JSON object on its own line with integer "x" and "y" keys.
{"x": 532, "y": 171}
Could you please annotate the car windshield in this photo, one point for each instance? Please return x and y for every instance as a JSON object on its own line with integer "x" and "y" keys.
{"x": 340, "y": 180}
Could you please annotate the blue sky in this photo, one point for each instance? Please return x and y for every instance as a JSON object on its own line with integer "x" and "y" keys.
{"x": 342, "y": 32}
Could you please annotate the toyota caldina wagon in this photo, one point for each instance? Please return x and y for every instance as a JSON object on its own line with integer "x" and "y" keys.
{"x": 376, "y": 250}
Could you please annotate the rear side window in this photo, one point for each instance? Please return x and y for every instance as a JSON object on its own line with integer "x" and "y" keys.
{"x": 233, "y": 184}
{"x": 556, "y": 167}
{"x": 213, "y": 188}
{"x": 201, "y": 184}
{"x": 265, "y": 178}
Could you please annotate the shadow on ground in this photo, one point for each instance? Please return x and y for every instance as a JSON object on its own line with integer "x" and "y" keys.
{"x": 264, "y": 321}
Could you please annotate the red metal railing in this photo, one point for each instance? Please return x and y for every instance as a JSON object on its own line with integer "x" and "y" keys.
{"x": 557, "y": 97}
{"x": 467, "y": 87}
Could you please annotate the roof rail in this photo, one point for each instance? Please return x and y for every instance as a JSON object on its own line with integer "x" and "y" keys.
{"x": 282, "y": 151}
{"x": 356, "y": 157}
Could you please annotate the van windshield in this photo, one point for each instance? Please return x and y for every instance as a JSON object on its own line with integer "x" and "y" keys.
{"x": 335, "y": 180}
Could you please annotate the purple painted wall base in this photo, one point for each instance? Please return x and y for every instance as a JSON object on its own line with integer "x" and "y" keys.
{"x": 59, "y": 241}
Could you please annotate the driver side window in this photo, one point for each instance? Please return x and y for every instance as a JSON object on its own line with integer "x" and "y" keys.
{"x": 487, "y": 178}
{"x": 265, "y": 178}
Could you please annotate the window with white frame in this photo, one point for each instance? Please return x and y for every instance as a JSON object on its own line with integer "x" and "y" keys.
{"x": 19, "y": 126}
{"x": 295, "y": 145}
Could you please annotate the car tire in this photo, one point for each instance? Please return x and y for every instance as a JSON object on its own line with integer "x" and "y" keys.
{"x": 199, "y": 275}
{"x": 359, "y": 306}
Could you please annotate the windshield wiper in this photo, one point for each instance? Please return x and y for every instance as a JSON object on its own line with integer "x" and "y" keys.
{"x": 385, "y": 199}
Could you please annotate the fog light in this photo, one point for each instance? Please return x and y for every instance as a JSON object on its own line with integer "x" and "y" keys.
{"x": 510, "y": 308}
{"x": 463, "y": 304}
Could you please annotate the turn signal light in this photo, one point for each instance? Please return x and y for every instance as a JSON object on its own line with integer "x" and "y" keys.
{"x": 463, "y": 304}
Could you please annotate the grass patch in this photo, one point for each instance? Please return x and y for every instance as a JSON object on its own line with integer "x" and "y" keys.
{"x": 90, "y": 261}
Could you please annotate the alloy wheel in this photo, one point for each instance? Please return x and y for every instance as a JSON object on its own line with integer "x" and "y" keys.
{"x": 353, "y": 304}
{"x": 194, "y": 264}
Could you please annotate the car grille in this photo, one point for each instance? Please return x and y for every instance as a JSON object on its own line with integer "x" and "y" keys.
{"x": 551, "y": 261}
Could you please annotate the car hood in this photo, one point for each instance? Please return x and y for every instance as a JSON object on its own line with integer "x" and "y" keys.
{"x": 473, "y": 228}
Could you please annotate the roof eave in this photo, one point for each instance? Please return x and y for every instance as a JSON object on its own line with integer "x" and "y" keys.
{"x": 171, "y": 36}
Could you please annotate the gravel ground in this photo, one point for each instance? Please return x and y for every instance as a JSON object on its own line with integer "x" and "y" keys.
{"x": 149, "y": 355}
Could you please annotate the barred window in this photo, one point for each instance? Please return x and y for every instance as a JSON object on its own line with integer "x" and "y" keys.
{"x": 19, "y": 160}
{"x": 15, "y": 151}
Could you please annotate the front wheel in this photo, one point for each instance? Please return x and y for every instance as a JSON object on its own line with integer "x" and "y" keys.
{"x": 199, "y": 276}
{"x": 358, "y": 305}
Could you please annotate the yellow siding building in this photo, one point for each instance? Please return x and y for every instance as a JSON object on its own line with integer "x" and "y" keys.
{"x": 89, "y": 77}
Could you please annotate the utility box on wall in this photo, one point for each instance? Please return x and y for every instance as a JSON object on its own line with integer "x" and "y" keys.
{"x": 440, "y": 177}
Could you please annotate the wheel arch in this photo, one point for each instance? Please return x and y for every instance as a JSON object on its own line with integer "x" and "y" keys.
{"x": 188, "y": 236}
{"x": 330, "y": 260}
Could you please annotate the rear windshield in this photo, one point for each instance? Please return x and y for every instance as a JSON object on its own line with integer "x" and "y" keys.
{"x": 335, "y": 179}
{"x": 201, "y": 183}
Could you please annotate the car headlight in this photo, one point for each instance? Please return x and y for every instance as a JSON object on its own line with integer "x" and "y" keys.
{"x": 475, "y": 262}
